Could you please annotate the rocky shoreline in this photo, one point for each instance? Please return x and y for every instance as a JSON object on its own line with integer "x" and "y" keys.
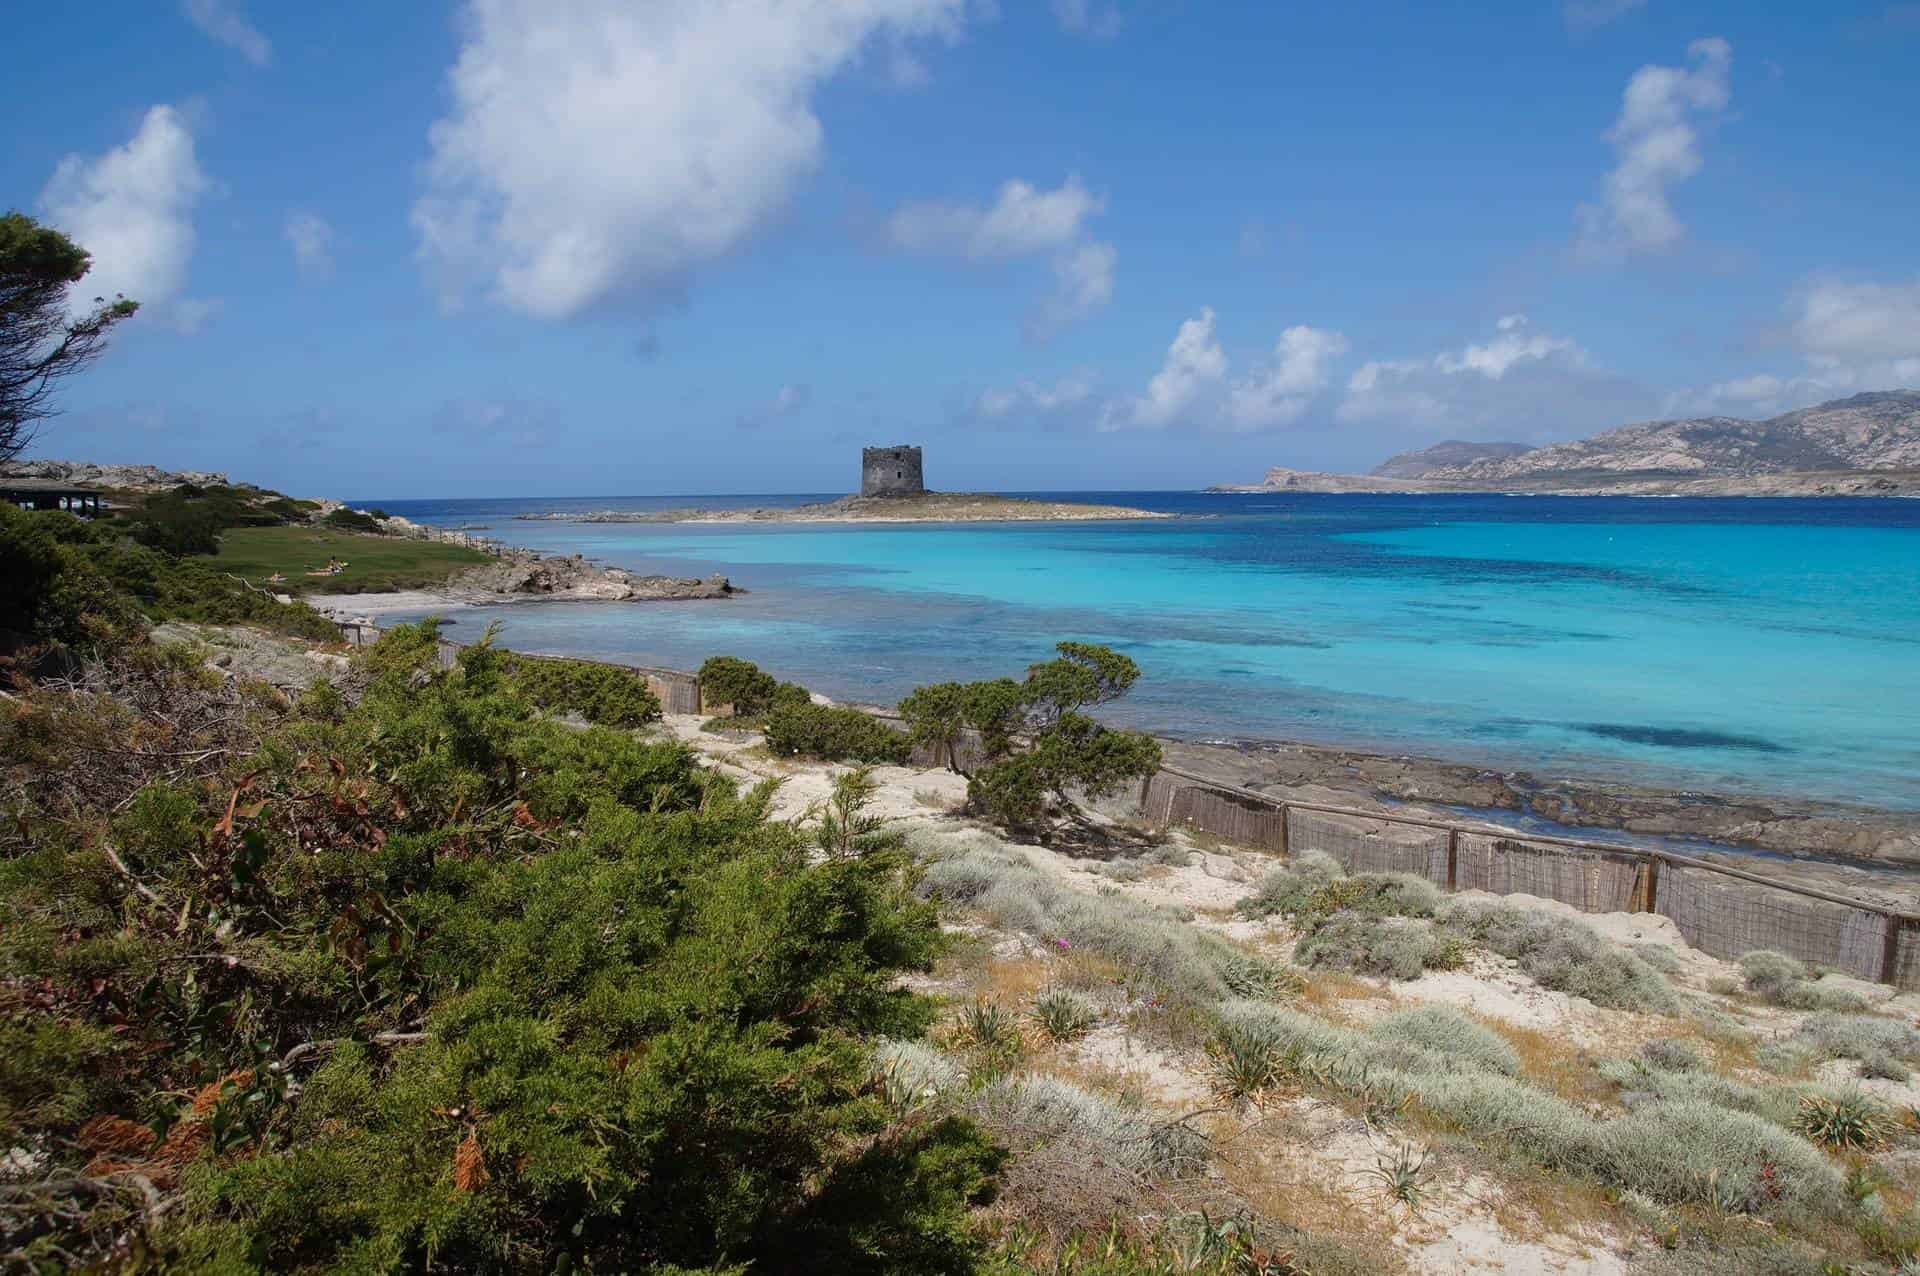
{"x": 521, "y": 575}
{"x": 932, "y": 507}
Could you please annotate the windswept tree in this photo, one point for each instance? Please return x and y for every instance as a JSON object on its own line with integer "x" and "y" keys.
{"x": 1066, "y": 753}
{"x": 42, "y": 336}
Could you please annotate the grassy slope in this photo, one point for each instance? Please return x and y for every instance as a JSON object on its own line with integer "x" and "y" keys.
{"x": 375, "y": 564}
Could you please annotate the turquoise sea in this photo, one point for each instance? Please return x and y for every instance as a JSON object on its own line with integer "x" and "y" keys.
{"x": 1759, "y": 645}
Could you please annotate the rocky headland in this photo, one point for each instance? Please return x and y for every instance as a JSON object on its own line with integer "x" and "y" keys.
{"x": 1866, "y": 445}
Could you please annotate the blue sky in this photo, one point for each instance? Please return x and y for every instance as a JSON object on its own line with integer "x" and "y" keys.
{"x": 615, "y": 246}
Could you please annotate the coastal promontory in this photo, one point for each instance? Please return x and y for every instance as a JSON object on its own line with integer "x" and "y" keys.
{"x": 1866, "y": 445}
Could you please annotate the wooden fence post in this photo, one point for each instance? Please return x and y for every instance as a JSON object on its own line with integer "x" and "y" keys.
{"x": 1285, "y": 845}
{"x": 1653, "y": 883}
{"x": 1453, "y": 859}
{"x": 1890, "y": 951}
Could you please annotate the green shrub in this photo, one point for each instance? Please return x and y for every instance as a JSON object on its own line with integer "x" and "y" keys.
{"x": 745, "y": 687}
{"x": 833, "y": 733}
{"x": 175, "y": 529}
{"x": 1386, "y": 947}
{"x": 1565, "y": 955}
{"x": 1287, "y": 890}
{"x": 351, "y": 520}
{"x": 459, "y": 987}
{"x": 605, "y": 695}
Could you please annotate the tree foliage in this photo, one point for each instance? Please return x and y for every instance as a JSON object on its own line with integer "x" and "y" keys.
{"x": 41, "y": 341}
{"x": 1066, "y": 751}
{"x": 750, "y": 690}
{"x": 421, "y": 979}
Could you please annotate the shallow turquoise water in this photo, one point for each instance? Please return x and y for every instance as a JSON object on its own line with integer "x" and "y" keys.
{"x": 1767, "y": 646}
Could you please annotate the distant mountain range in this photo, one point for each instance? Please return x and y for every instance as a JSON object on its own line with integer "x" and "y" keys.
{"x": 1867, "y": 445}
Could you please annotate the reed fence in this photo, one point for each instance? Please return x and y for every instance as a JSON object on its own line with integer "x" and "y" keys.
{"x": 1718, "y": 909}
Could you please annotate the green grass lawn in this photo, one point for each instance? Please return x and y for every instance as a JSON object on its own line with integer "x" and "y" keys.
{"x": 375, "y": 564}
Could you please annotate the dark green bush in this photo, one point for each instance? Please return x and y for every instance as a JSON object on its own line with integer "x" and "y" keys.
{"x": 351, "y": 520}
{"x": 835, "y": 734}
{"x": 750, "y": 690}
{"x": 176, "y": 528}
{"x": 427, "y": 981}
{"x": 605, "y": 695}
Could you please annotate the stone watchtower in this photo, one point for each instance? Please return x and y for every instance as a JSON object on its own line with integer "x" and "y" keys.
{"x": 891, "y": 471}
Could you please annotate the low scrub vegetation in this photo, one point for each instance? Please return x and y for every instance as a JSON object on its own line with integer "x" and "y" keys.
{"x": 833, "y": 733}
{"x": 605, "y": 695}
{"x": 416, "y": 977}
{"x": 1783, "y": 981}
{"x": 68, "y": 584}
{"x": 1161, "y": 954}
{"x": 1564, "y": 954}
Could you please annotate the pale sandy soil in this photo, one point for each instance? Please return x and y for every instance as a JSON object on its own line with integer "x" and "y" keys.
{"x": 1313, "y": 1155}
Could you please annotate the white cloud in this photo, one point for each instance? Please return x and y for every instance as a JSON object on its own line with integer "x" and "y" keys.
{"x": 1021, "y": 221}
{"x": 1859, "y": 322}
{"x": 1853, "y": 336}
{"x": 1519, "y": 383}
{"x": 1585, "y": 15}
{"x": 602, "y": 150}
{"x": 1512, "y": 344}
{"x": 1030, "y": 399}
{"x": 225, "y": 22}
{"x": 1657, "y": 144}
{"x": 1195, "y": 364}
{"x": 1084, "y": 17}
{"x": 790, "y": 399}
{"x": 513, "y": 423}
{"x": 1279, "y": 393}
{"x": 132, "y": 208}
{"x": 312, "y": 240}
{"x": 1083, "y": 282}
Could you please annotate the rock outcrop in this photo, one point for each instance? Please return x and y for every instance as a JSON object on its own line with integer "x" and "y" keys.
{"x": 1445, "y": 455}
{"x": 521, "y": 574}
{"x": 130, "y": 478}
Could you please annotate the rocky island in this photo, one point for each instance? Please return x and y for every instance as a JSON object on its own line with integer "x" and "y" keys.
{"x": 1866, "y": 445}
{"x": 892, "y": 490}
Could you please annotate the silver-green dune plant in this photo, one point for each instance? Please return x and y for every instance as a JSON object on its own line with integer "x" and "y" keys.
{"x": 1563, "y": 954}
{"x": 1784, "y": 981}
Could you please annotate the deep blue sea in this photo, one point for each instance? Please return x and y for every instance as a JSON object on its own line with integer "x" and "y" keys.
{"x": 1760, "y": 645}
